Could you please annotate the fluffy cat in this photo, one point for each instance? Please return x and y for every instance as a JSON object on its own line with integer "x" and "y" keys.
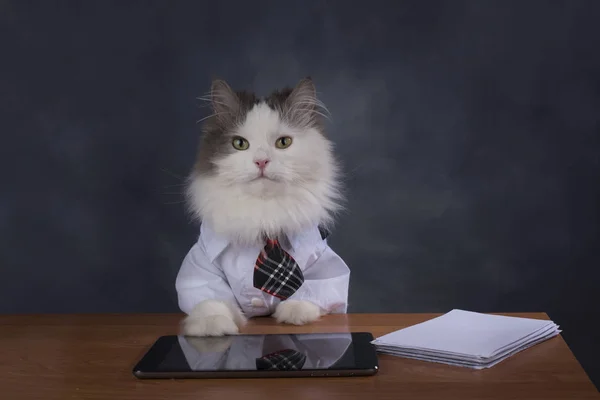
{"x": 265, "y": 169}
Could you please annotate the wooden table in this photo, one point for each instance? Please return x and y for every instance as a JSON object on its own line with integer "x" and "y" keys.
{"x": 91, "y": 357}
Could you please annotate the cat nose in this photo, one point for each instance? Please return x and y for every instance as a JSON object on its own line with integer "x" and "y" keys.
{"x": 261, "y": 164}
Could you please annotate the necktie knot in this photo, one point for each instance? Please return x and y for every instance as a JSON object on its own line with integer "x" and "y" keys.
{"x": 272, "y": 242}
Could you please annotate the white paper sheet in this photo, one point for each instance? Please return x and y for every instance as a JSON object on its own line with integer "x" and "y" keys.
{"x": 467, "y": 338}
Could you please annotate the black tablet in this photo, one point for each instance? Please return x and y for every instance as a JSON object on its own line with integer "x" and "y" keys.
{"x": 260, "y": 356}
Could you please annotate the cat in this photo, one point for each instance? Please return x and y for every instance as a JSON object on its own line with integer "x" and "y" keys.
{"x": 265, "y": 169}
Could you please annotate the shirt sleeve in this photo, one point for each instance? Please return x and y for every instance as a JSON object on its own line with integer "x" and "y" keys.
{"x": 199, "y": 279}
{"x": 326, "y": 282}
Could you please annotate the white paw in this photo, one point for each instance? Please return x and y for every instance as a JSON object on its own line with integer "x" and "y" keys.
{"x": 297, "y": 312}
{"x": 213, "y": 325}
{"x": 213, "y": 318}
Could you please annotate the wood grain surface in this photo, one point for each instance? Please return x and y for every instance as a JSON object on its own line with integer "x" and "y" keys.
{"x": 91, "y": 357}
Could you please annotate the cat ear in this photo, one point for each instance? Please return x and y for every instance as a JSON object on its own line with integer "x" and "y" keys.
{"x": 302, "y": 104}
{"x": 225, "y": 102}
{"x": 304, "y": 92}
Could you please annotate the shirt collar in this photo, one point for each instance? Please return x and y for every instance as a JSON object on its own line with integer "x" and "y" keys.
{"x": 215, "y": 244}
{"x": 307, "y": 238}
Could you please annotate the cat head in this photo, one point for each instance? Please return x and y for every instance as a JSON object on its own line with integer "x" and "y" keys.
{"x": 265, "y": 165}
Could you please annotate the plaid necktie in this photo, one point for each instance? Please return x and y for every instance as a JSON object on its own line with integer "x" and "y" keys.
{"x": 283, "y": 360}
{"x": 276, "y": 272}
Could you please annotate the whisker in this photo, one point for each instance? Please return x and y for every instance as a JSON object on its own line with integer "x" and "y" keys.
{"x": 212, "y": 115}
{"x": 211, "y": 101}
{"x": 174, "y": 175}
{"x": 316, "y": 105}
{"x": 323, "y": 115}
{"x": 324, "y": 107}
{"x": 219, "y": 102}
{"x": 314, "y": 111}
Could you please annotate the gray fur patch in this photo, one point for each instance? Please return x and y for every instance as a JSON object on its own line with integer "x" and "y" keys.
{"x": 297, "y": 106}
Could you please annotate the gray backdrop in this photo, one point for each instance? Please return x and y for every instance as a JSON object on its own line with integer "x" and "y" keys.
{"x": 469, "y": 132}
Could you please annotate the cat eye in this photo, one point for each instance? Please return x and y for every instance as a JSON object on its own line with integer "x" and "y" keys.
{"x": 239, "y": 143}
{"x": 283, "y": 142}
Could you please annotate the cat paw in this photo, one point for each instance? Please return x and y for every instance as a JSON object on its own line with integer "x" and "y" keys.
{"x": 297, "y": 312}
{"x": 213, "y": 318}
{"x": 214, "y": 325}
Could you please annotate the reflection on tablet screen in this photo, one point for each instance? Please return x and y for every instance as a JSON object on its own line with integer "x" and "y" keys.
{"x": 260, "y": 352}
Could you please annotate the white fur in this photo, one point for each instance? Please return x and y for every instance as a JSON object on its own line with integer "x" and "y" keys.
{"x": 302, "y": 189}
{"x": 213, "y": 318}
{"x": 297, "y": 312}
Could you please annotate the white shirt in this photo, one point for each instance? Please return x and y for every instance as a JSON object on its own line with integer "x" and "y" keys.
{"x": 216, "y": 269}
{"x": 241, "y": 352}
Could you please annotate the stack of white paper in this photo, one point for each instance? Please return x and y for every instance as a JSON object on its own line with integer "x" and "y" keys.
{"x": 467, "y": 339}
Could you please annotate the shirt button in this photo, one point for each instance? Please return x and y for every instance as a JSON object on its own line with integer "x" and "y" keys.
{"x": 256, "y": 302}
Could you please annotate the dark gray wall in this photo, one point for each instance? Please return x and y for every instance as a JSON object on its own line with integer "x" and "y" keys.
{"x": 469, "y": 132}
